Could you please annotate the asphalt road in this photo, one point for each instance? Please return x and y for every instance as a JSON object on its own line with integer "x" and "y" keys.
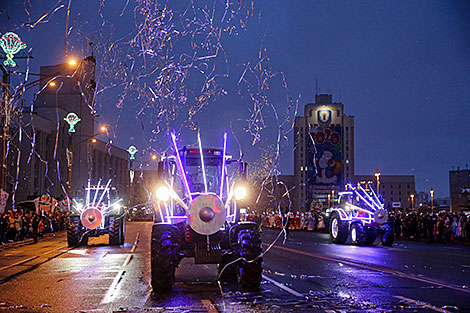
{"x": 306, "y": 274}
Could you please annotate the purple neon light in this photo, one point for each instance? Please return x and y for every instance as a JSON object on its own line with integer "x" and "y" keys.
{"x": 223, "y": 167}
{"x": 180, "y": 166}
{"x": 370, "y": 198}
{"x": 359, "y": 195}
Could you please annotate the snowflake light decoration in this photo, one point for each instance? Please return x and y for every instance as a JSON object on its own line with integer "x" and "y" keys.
{"x": 11, "y": 45}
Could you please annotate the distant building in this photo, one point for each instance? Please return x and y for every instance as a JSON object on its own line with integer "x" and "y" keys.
{"x": 323, "y": 151}
{"x": 44, "y": 169}
{"x": 395, "y": 189}
{"x": 459, "y": 186}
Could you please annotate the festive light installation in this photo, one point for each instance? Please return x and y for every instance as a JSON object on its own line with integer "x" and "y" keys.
{"x": 72, "y": 119}
{"x": 132, "y": 151}
{"x": 11, "y": 44}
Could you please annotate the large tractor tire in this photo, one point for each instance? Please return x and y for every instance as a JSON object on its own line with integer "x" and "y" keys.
{"x": 249, "y": 271}
{"x": 229, "y": 273}
{"x": 371, "y": 235}
{"x": 163, "y": 260}
{"x": 338, "y": 229}
{"x": 115, "y": 231}
{"x": 387, "y": 237}
{"x": 74, "y": 232}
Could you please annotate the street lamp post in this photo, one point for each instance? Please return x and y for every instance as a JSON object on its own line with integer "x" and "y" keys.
{"x": 377, "y": 175}
{"x": 412, "y": 201}
{"x": 432, "y": 200}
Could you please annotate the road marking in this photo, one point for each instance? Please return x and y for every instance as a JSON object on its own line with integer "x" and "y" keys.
{"x": 18, "y": 263}
{"x": 128, "y": 259}
{"x": 422, "y": 304}
{"x": 134, "y": 246}
{"x": 466, "y": 266}
{"x": 111, "y": 293}
{"x": 375, "y": 268}
{"x": 209, "y": 306}
{"x": 289, "y": 290}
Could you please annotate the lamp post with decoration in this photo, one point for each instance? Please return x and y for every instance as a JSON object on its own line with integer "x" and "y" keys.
{"x": 132, "y": 151}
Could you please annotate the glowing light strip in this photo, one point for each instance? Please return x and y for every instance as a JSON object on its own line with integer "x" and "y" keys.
{"x": 175, "y": 196}
{"x": 223, "y": 167}
{"x": 369, "y": 197}
{"x": 160, "y": 211}
{"x": 202, "y": 161}
{"x": 180, "y": 166}
{"x": 88, "y": 194}
{"x": 377, "y": 198}
{"x": 106, "y": 189}
{"x": 360, "y": 196}
{"x": 96, "y": 192}
{"x": 359, "y": 208}
{"x": 108, "y": 209}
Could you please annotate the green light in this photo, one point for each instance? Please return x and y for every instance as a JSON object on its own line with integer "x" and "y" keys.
{"x": 132, "y": 151}
{"x": 72, "y": 119}
{"x": 11, "y": 45}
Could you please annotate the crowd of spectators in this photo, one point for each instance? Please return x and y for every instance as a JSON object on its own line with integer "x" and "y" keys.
{"x": 443, "y": 227}
{"x": 23, "y": 224}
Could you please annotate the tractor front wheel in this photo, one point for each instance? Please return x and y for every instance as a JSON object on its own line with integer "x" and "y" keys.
{"x": 338, "y": 229}
{"x": 251, "y": 267}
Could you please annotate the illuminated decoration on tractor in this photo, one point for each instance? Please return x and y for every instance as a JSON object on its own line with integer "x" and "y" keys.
{"x": 72, "y": 119}
{"x": 11, "y": 45}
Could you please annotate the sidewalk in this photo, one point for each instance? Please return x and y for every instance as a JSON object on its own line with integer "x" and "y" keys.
{"x": 27, "y": 241}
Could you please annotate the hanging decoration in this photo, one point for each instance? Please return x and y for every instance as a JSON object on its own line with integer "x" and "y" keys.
{"x": 72, "y": 119}
{"x": 11, "y": 45}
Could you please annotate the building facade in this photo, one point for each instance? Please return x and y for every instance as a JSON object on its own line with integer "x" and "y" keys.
{"x": 42, "y": 146}
{"x": 459, "y": 187}
{"x": 396, "y": 190}
{"x": 323, "y": 152}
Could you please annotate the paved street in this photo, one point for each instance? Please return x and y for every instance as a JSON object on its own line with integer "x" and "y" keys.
{"x": 307, "y": 274}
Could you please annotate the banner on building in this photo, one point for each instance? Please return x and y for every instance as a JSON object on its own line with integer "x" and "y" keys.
{"x": 3, "y": 200}
{"x": 324, "y": 155}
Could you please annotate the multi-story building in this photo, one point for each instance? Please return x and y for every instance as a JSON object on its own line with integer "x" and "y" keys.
{"x": 323, "y": 151}
{"x": 459, "y": 186}
{"x": 396, "y": 190}
{"x": 38, "y": 157}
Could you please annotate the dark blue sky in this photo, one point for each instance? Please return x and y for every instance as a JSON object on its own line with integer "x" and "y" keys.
{"x": 402, "y": 68}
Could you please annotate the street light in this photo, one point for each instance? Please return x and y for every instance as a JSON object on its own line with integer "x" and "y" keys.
{"x": 377, "y": 175}
{"x": 432, "y": 200}
{"x": 412, "y": 200}
{"x": 72, "y": 62}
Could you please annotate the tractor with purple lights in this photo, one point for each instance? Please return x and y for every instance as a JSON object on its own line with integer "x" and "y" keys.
{"x": 96, "y": 211}
{"x": 360, "y": 216}
{"x": 197, "y": 215}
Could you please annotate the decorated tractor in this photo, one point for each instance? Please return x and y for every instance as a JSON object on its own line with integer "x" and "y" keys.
{"x": 360, "y": 216}
{"x": 96, "y": 211}
{"x": 197, "y": 215}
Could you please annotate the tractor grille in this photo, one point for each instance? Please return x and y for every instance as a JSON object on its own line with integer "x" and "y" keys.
{"x": 203, "y": 256}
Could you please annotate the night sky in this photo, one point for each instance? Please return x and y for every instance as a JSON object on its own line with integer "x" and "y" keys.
{"x": 402, "y": 68}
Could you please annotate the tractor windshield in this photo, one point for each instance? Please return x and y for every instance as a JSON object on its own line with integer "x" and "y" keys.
{"x": 195, "y": 176}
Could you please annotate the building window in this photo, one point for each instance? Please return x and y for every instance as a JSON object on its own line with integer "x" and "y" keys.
{"x": 347, "y": 128}
{"x": 337, "y": 113}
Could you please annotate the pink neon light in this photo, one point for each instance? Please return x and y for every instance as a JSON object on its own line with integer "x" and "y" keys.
{"x": 223, "y": 168}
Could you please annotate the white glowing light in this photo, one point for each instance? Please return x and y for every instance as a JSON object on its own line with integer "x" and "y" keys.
{"x": 163, "y": 193}
{"x": 240, "y": 193}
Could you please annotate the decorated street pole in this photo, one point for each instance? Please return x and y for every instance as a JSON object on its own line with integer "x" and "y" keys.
{"x": 132, "y": 151}
{"x": 72, "y": 119}
{"x": 11, "y": 45}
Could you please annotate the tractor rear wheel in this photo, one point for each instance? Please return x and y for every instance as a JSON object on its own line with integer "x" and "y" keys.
{"x": 74, "y": 232}
{"x": 251, "y": 267}
{"x": 387, "y": 237}
{"x": 163, "y": 260}
{"x": 371, "y": 235}
{"x": 115, "y": 231}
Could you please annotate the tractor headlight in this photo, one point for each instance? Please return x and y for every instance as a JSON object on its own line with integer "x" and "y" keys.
{"x": 163, "y": 193}
{"x": 240, "y": 192}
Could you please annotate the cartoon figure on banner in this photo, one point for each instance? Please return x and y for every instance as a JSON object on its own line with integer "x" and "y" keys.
{"x": 328, "y": 168}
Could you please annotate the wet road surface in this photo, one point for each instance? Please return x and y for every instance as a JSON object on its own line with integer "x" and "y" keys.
{"x": 306, "y": 274}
